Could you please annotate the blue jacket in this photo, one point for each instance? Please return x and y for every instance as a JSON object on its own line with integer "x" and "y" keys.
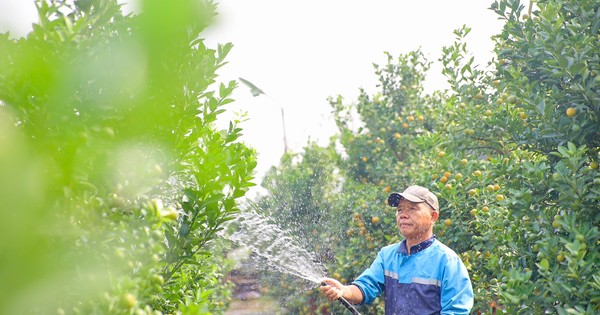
{"x": 431, "y": 280}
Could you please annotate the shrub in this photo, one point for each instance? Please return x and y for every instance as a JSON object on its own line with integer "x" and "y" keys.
{"x": 114, "y": 177}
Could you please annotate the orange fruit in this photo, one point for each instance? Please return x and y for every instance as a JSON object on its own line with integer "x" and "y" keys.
{"x": 158, "y": 279}
{"x": 555, "y": 224}
{"x": 444, "y": 179}
{"x": 571, "y": 112}
{"x": 128, "y": 300}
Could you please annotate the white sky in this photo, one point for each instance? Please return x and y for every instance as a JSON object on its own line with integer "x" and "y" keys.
{"x": 302, "y": 52}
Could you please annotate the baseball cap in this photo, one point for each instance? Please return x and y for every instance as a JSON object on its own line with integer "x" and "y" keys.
{"x": 414, "y": 194}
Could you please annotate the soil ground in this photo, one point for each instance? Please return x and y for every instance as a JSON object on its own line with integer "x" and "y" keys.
{"x": 258, "y": 306}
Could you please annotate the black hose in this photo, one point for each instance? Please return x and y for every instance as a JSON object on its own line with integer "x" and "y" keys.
{"x": 345, "y": 302}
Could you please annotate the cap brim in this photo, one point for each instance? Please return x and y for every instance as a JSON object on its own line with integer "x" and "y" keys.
{"x": 394, "y": 198}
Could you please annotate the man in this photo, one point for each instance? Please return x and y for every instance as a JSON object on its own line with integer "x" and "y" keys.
{"x": 419, "y": 275}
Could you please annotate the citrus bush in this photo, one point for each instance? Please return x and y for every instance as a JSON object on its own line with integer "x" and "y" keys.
{"x": 114, "y": 177}
{"x": 511, "y": 150}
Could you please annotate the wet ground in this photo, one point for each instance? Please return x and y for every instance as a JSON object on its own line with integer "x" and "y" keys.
{"x": 255, "y": 306}
{"x": 249, "y": 297}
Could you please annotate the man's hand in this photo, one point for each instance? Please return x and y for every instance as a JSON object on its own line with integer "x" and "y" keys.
{"x": 334, "y": 289}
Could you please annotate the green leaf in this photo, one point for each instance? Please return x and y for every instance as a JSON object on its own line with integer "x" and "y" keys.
{"x": 544, "y": 264}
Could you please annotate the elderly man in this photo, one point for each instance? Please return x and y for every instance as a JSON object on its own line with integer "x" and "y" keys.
{"x": 419, "y": 275}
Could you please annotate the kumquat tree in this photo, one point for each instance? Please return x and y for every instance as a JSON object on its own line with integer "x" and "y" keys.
{"x": 114, "y": 178}
{"x": 512, "y": 150}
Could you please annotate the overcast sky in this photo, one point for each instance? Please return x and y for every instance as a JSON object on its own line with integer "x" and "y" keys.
{"x": 302, "y": 52}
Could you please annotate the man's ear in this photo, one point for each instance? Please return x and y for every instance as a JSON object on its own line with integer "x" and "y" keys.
{"x": 434, "y": 216}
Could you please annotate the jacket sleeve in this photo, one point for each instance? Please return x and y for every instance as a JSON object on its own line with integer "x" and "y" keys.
{"x": 456, "y": 291}
{"x": 371, "y": 281}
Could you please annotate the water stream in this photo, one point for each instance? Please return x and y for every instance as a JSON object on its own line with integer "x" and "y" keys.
{"x": 280, "y": 250}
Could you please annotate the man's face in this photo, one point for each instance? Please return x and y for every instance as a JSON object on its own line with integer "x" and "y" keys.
{"x": 415, "y": 220}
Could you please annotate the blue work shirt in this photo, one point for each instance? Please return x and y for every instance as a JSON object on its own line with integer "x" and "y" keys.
{"x": 431, "y": 280}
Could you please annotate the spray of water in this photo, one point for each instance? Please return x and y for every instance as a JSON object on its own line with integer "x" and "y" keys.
{"x": 277, "y": 247}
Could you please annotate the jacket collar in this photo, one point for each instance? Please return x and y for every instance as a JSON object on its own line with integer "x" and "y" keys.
{"x": 416, "y": 248}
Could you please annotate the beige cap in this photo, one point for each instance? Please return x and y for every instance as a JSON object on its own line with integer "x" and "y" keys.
{"x": 415, "y": 194}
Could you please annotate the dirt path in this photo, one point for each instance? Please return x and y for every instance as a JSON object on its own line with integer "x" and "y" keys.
{"x": 259, "y": 306}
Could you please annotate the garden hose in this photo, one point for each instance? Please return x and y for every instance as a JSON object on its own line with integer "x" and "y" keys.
{"x": 345, "y": 303}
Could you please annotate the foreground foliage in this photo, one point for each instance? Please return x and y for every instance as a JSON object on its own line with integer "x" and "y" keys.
{"x": 512, "y": 152}
{"x": 113, "y": 175}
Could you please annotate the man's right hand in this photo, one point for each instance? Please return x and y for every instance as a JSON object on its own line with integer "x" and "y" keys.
{"x": 333, "y": 289}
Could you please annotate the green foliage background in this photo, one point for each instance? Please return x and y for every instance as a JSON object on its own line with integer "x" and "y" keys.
{"x": 517, "y": 176}
{"x": 114, "y": 178}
